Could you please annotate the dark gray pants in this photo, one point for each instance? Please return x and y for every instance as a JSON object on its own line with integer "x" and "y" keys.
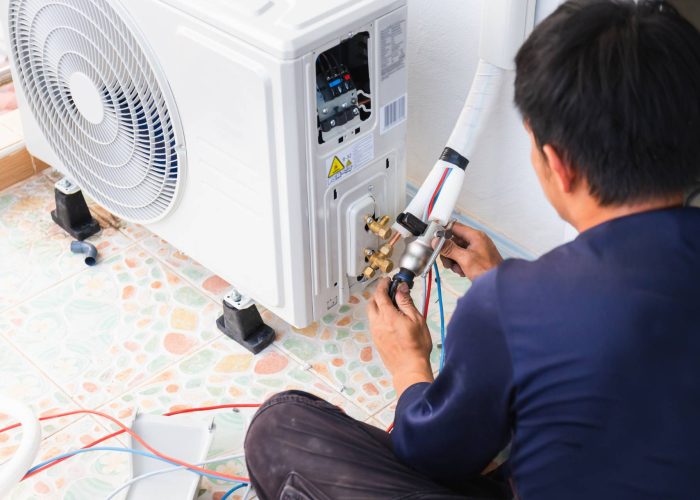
{"x": 301, "y": 447}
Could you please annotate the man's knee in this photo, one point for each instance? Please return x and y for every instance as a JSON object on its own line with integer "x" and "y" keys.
{"x": 280, "y": 422}
{"x": 291, "y": 396}
{"x": 270, "y": 418}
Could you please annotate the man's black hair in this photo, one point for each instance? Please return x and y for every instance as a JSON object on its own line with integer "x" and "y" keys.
{"x": 614, "y": 87}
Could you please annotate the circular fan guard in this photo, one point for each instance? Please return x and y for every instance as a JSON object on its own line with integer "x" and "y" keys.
{"x": 96, "y": 96}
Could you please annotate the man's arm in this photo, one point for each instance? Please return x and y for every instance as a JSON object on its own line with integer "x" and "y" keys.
{"x": 455, "y": 426}
{"x": 401, "y": 336}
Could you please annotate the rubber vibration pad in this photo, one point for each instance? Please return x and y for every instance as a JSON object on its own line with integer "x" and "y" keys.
{"x": 246, "y": 327}
{"x": 73, "y": 215}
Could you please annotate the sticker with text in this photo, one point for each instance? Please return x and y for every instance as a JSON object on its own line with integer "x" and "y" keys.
{"x": 350, "y": 160}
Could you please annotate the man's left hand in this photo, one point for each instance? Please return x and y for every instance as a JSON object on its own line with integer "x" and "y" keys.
{"x": 401, "y": 336}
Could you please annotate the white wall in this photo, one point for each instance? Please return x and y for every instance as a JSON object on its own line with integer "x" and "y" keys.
{"x": 501, "y": 190}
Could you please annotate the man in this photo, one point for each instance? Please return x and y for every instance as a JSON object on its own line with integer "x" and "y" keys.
{"x": 586, "y": 360}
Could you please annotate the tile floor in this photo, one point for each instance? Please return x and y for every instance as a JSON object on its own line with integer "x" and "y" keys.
{"x": 137, "y": 332}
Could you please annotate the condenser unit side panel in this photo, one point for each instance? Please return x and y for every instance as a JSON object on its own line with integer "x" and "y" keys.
{"x": 294, "y": 219}
{"x": 228, "y": 212}
{"x": 357, "y": 168}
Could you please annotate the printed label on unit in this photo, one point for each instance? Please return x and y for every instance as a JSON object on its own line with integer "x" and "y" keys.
{"x": 350, "y": 160}
{"x": 336, "y": 167}
{"x": 392, "y": 40}
{"x": 392, "y": 114}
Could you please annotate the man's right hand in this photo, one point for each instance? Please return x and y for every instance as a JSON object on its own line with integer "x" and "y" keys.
{"x": 470, "y": 252}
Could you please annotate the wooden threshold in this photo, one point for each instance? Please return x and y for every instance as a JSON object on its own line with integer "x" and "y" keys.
{"x": 16, "y": 165}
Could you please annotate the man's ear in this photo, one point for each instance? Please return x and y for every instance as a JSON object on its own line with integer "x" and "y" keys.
{"x": 565, "y": 176}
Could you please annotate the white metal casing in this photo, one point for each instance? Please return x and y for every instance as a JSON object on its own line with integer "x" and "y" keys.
{"x": 255, "y": 205}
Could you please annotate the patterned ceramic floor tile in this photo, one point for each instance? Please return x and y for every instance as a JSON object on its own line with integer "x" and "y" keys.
{"x": 112, "y": 326}
{"x": 134, "y": 231}
{"x": 224, "y": 373}
{"x": 138, "y": 331}
{"x": 25, "y": 212}
{"x": 221, "y": 373}
{"x": 22, "y": 381}
{"x": 210, "y": 283}
{"x": 339, "y": 348}
{"x": 87, "y": 476}
{"x": 42, "y": 263}
{"x": 386, "y": 416}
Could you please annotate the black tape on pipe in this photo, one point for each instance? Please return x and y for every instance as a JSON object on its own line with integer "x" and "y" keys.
{"x": 451, "y": 156}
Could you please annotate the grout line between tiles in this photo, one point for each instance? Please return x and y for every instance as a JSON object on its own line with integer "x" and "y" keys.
{"x": 309, "y": 368}
{"x": 304, "y": 365}
{"x": 331, "y": 383}
{"x": 181, "y": 275}
{"x": 98, "y": 422}
{"x": 393, "y": 401}
{"x": 204, "y": 344}
{"x": 123, "y": 231}
{"x": 63, "y": 280}
{"x": 52, "y": 383}
{"x": 134, "y": 388}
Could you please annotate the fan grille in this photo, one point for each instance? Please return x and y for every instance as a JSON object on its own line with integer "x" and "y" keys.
{"x": 99, "y": 103}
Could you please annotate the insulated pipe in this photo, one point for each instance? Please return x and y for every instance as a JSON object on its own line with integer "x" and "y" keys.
{"x": 422, "y": 197}
{"x": 13, "y": 471}
{"x": 480, "y": 101}
{"x": 505, "y": 25}
{"x": 86, "y": 248}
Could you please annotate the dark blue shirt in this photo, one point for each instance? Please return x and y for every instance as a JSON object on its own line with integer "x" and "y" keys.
{"x": 588, "y": 359}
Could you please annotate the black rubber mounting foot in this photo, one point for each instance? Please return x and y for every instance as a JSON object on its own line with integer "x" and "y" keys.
{"x": 73, "y": 215}
{"x": 246, "y": 327}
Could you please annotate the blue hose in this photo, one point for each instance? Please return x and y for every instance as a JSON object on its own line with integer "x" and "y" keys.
{"x": 442, "y": 314}
{"x": 230, "y": 492}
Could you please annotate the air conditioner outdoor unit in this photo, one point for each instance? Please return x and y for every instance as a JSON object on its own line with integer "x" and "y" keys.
{"x": 254, "y": 135}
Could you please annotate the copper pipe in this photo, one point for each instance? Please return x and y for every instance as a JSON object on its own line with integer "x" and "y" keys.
{"x": 394, "y": 239}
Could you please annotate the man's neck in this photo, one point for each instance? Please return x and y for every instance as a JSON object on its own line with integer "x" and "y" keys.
{"x": 594, "y": 215}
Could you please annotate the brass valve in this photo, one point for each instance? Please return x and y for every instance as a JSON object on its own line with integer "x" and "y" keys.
{"x": 369, "y": 273}
{"x": 379, "y": 227}
{"x": 378, "y": 261}
{"x": 386, "y": 250}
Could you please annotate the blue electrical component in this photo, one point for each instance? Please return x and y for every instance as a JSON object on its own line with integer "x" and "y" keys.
{"x": 335, "y": 82}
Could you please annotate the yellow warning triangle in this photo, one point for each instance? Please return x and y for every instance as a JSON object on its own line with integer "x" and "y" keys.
{"x": 336, "y": 166}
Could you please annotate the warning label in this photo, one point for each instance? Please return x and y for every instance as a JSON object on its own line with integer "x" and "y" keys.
{"x": 336, "y": 167}
{"x": 350, "y": 160}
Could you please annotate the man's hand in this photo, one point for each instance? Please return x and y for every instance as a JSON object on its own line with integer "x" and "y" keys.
{"x": 470, "y": 252}
{"x": 401, "y": 336}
